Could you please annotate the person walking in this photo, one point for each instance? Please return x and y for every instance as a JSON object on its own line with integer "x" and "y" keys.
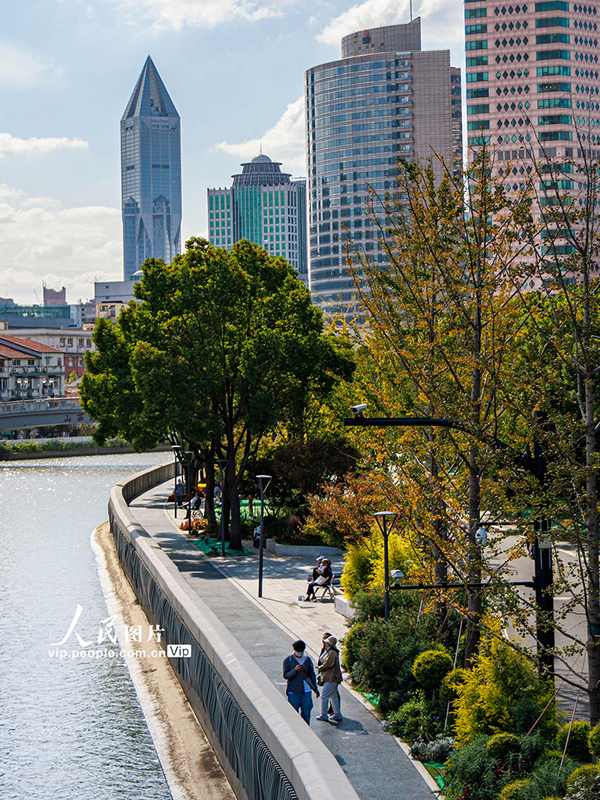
{"x": 322, "y": 655}
{"x": 299, "y": 673}
{"x": 330, "y": 673}
{"x": 179, "y": 492}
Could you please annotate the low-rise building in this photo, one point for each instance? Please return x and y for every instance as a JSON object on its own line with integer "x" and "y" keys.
{"x": 72, "y": 343}
{"x": 30, "y": 369}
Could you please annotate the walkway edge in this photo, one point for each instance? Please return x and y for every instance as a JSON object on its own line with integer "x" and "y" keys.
{"x": 308, "y": 764}
{"x": 187, "y": 758}
{"x": 420, "y": 768}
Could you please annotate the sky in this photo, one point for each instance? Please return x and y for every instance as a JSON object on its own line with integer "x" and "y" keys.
{"x": 234, "y": 70}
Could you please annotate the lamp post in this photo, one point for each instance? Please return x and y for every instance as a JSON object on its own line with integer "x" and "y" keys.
{"x": 222, "y": 462}
{"x": 263, "y": 484}
{"x": 386, "y": 520}
{"x": 176, "y": 448}
{"x": 189, "y": 455}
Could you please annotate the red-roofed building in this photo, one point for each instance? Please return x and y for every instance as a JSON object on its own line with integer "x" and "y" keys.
{"x": 30, "y": 369}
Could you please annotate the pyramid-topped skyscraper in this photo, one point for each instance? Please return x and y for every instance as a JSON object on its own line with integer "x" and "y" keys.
{"x": 150, "y": 173}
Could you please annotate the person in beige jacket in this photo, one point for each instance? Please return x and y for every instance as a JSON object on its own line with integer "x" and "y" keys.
{"x": 331, "y": 675}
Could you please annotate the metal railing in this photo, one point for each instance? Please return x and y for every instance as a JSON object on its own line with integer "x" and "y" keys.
{"x": 250, "y": 759}
{"x": 43, "y": 404}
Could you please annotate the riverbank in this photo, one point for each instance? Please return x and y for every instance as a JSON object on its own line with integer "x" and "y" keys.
{"x": 76, "y": 450}
{"x": 189, "y": 763}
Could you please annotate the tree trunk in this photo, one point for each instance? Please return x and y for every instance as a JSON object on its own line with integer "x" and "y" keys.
{"x": 593, "y": 610}
{"x": 439, "y": 558}
{"x": 235, "y": 535}
{"x": 209, "y": 492}
{"x": 474, "y": 596}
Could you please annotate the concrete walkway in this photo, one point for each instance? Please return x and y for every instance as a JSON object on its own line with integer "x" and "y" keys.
{"x": 374, "y": 762}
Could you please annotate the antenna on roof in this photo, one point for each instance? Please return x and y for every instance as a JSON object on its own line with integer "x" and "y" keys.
{"x": 261, "y": 147}
{"x": 411, "y": 10}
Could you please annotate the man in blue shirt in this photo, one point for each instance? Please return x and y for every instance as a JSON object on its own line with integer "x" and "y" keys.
{"x": 299, "y": 673}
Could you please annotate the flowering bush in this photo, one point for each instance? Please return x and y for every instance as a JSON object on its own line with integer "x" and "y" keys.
{"x": 198, "y": 525}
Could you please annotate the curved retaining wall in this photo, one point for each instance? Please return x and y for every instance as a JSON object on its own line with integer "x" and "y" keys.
{"x": 266, "y": 749}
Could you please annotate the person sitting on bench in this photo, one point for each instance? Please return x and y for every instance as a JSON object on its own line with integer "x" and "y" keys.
{"x": 324, "y": 579}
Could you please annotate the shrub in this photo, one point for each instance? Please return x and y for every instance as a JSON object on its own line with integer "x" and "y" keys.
{"x": 358, "y": 566}
{"x": 452, "y": 682}
{"x": 501, "y": 745}
{"x": 578, "y": 747}
{"x": 472, "y": 774}
{"x": 438, "y": 750}
{"x": 583, "y": 779}
{"x": 415, "y": 720}
{"x": 369, "y": 603}
{"x": 517, "y": 790}
{"x": 431, "y": 667}
{"x": 498, "y": 682}
{"x": 594, "y": 741}
{"x": 382, "y": 653}
{"x": 548, "y": 776}
{"x": 353, "y": 646}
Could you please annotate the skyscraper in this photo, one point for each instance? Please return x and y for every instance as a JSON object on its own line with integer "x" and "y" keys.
{"x": 532, "y": 81}
{"x": 150, "y": 173}
{"x": 385, "y": 98}
{"x": 265, "y": 206}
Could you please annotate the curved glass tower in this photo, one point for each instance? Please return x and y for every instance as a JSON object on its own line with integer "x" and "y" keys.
{"x": 384, "y": 99}
{"x": 150, "y": 173}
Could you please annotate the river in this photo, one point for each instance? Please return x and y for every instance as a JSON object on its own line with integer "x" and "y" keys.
{"x": 70, "y": 727}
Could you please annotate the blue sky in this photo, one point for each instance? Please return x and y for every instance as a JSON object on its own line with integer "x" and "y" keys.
{"x": 234, "y": 69}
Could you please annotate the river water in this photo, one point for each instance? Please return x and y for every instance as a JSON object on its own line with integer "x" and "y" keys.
{"x": 69, "y": 728}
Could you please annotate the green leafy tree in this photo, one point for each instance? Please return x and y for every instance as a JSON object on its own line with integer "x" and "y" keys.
{"x": 442, "y": 330}
{"x": 222, "y": 347}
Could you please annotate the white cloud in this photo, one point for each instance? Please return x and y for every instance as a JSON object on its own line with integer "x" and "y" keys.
{"x": 40, "y": 240}
{"x": 22, "y": 69}
{"x": 370, "y": 14}
{"x": 442, "y": 21}
{"x": 12, "y": 145}
{"x": 176, "y": 14}
{"x": 283, "y": 142}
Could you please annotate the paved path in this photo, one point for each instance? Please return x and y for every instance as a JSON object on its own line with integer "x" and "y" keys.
{"x": 373, "y": 761}
{"x": 521, "y": 569}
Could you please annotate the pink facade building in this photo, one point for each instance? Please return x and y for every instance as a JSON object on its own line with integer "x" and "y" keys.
{"x": 533, "y": 81}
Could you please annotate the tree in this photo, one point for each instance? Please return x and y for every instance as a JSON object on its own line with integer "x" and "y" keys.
{"x": 222, "y": 346}
{"x": 564, "y": 366}
{"x": 442, "y": 326}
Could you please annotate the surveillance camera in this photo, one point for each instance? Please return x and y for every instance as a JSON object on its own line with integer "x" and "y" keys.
{"x": 359, "y": 410}
{"x": 481, "y": 537}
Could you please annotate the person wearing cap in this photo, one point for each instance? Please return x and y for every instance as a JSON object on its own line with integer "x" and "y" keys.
{"x": 322, "y": 654}
{"x": 299, "y": 673}
{"x": 331, "y": 675}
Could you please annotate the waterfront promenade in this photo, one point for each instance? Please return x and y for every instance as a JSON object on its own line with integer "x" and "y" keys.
{"x": 376, "y": 765}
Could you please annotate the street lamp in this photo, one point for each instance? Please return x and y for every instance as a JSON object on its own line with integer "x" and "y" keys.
{"x": 386, "y": 520}
{"x": 189, "y": 454}
{"x": 222, "y": 462}
{"x": 263, "y": 485}
{"x": 176, "y": 448}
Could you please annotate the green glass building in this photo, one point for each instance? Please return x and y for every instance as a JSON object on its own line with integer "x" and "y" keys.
{"x": 265, "y": 206}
